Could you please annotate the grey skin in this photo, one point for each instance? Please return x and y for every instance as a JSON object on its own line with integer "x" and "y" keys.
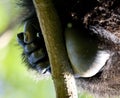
{"x": 97, "y": 70}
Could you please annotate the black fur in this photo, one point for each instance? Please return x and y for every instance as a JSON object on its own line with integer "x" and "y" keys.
{"x": 97, "y": 14}
{"x": 64, "y": 11}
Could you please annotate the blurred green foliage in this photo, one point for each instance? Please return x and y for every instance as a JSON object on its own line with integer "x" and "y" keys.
{"x": 15, "y": 80}
{"x": 4, "y": 19}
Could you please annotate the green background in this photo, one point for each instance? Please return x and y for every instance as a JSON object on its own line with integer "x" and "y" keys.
{"x": 16, "y": 81}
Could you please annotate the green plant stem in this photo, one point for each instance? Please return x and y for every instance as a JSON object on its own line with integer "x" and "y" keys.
{"x": 52, "y": 32}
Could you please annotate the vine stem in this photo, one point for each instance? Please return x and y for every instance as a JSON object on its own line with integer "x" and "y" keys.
{"x": 52, "y": 32}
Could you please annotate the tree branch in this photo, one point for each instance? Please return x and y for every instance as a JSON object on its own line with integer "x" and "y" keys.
{"x": 52, "y": 32}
